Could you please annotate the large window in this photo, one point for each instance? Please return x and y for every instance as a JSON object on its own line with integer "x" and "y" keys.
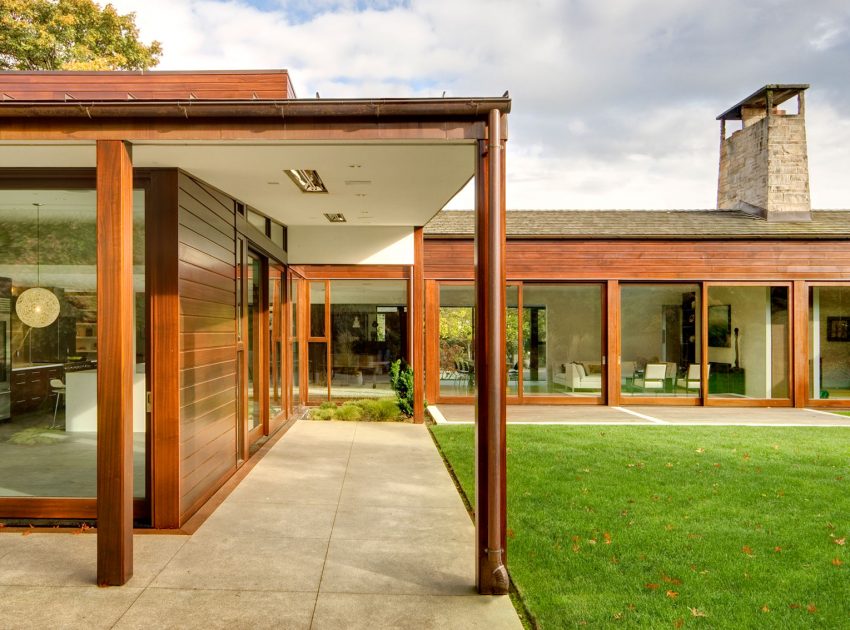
{"x": 660, "y": 340}
{"x": 368, "y": 333}
{"x": 829, "y": 342}
{"x": 562, "y": 340}
{"x": 277, "y": 299}
{"x": 48, "y": 343}
{"x": 457, "y": 348}
{"x": 748, "y": 342}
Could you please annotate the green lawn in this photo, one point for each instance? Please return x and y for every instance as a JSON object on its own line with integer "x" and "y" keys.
{"x": 712, "y": 527}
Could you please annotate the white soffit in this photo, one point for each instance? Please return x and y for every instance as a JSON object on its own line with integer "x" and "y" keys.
{"x": 408, "y": 182}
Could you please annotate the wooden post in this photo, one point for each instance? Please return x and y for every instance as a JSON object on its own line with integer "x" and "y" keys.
{"x": 611, "y": 330}
{"x": 417, "y": 301}
{"x": 490, "y": 410}
{"x": 115, "y": 363}
{"x": 799, "y": 321}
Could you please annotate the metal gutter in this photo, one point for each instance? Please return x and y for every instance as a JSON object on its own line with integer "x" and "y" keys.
{"x": 467, "y": 108}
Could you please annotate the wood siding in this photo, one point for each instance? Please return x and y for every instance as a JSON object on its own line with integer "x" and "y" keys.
{"x": 208, "y": 375}
{"x": 98, "y": 86}
{"x": 649, "y": 260}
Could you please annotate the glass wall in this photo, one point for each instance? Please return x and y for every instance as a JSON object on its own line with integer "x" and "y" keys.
{"x": 276, "y": 365}
{"x": 368, "y": 333}
{"x": 48, "y": 336}
{"x": 255, "y": 307}
{"x": 829, "y": 342}
{"x": 562, "y": 340}
{"x": 317, "y": 348}
{"x": 748, "y": 342}
{"x": 457, "y": 348}
{"x": 660, "y": 340}
{"x": 512, "y": 339}
{"x": 293, "y": 340}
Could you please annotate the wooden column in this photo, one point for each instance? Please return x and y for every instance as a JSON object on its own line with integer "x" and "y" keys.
{"x": 611, "y": 328}
{"x": 490, "y": 411}
{"x": 163, "y": 357}
{"x": 115, "y": 363}
{"x": 800, "y": 347}
{"x": 432, "y": 340}
{"x": 417, "y": 332}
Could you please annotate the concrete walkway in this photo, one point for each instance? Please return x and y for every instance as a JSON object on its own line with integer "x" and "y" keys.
{"x": 592, "y": 414}
{"x": 341, "y": 525}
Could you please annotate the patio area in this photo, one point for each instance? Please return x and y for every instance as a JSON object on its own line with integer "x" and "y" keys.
{"x": 590, "y": 414}
{"x": 340, "y": 525}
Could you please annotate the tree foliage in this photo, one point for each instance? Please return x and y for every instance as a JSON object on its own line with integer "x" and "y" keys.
{"x": 71, "y": 35}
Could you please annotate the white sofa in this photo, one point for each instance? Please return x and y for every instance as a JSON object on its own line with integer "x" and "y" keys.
{"x": 576, "y": 377}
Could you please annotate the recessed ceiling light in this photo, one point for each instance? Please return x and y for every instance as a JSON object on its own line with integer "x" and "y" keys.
{"x": 354, "y": 166}
{"x": 307, "y": 180}
{"x": 335, "y": 218}
{"x": 359, "y": 194}
{"x": 273, "y": 183}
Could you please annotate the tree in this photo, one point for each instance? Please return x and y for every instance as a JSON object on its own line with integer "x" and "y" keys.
{"x": 71, "y": 35}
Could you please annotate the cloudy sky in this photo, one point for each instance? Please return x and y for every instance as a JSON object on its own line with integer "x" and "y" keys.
{"x": 614, "y": 101}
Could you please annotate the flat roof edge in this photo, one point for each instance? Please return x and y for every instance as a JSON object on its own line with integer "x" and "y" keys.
{"x": 784, "y": 92}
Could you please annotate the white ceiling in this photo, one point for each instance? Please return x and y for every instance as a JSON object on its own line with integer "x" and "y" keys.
{"x": 408, "y": 183}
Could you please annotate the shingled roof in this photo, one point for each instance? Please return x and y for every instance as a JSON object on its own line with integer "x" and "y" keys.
{"x": 645, "y": 224}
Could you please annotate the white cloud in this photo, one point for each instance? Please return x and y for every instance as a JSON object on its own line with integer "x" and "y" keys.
{"x": 594, "y": 84}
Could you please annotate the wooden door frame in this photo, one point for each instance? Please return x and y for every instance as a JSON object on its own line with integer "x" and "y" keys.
{"x": 790, "y": 358}
{"x": 805, "y": 319}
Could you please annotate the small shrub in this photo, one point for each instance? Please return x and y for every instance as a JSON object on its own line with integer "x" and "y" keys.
{"x": 349, "y": 412}
{"x": 401, "y": 379}
{"x": 328, "y": 405}
{"x": 323, "y": 413}
{"x": 386, "y": 409}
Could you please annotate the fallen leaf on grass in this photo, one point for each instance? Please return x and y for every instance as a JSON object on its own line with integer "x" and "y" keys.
{"x": 837, "y": 562}
{"x": 651, "y": 586}
{"x": 696, "y": 612}
{"x": 794, "y": 606}
{"x": 668, "y": 465}
{"x": 607, "y": 537}
{"x": 510, "y": 533}
{"x": 679, "y": 623}
{"x": 672, "y": 594}
{"x": 765, "y": 609}
{"x": 747, "y": 550}
{"x": 839, "y": 541}
{"x": 746, "y": 456}
{"x": 811, "y": 608}
{"x": 700, "y": 451}
{"x": 778, "y": 549}
{"x": 671, "y": 580}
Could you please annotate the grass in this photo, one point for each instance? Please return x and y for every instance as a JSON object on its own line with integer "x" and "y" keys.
{"x": 654, "y": 527}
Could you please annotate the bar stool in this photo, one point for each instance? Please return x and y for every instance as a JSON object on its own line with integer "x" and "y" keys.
{"x": 56, "y": 387}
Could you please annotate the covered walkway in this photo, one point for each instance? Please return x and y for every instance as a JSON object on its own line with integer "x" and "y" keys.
{"x": 340, "y": 525}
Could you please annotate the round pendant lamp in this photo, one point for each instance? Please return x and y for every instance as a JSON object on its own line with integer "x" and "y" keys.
{"x": 37, "y": 307}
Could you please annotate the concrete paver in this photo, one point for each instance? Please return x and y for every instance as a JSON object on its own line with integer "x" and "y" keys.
{"x": 340, "y": 525}
{"x": 652, "y": 414}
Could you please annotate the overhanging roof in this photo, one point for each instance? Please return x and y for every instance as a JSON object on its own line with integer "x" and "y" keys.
{"x": 645, "y": 224}
{"x": 781, "y": 93}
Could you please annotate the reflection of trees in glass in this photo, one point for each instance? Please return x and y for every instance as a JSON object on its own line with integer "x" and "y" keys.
{"x": 456, "y": 329}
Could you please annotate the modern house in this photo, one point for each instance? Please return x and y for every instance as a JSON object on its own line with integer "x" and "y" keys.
{"x": 633, "y": 307}
{"x": 188, "y": 259}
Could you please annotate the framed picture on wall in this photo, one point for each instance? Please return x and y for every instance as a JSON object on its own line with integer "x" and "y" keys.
{"x": 838, "y": 328}
{"x": 720, "y": 326}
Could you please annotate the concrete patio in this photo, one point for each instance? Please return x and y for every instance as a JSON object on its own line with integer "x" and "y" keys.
{"x": 340, "y": 525}
{"x": 592, "y": 414}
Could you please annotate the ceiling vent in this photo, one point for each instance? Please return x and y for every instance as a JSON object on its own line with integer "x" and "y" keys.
{"x": 335, "y": 218}
{"x": 307, "y": 180}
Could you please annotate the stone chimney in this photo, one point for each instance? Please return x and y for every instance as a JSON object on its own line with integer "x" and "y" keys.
{"x": 764, "y": 166}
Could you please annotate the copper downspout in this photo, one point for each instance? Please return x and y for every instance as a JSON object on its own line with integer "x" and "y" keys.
{"x": 496, "y": 393}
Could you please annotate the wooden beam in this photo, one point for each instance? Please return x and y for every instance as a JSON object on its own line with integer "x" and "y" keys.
{"x": 490, "y": 410}
{"x": 418, "y": 329}
{"x": 115, "y": 363}
{"x": 611, "y": 330}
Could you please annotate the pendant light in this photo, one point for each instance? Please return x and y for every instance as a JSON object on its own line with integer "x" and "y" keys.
{"x": 37, "y": 307}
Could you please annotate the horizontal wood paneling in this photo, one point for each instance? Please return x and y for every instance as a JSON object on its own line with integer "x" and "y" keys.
{"x": 649, "y": 260}
{"x": 63, "y": 86}
{"x": 352, "y": 272}
{"x": 208, "y": 376}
